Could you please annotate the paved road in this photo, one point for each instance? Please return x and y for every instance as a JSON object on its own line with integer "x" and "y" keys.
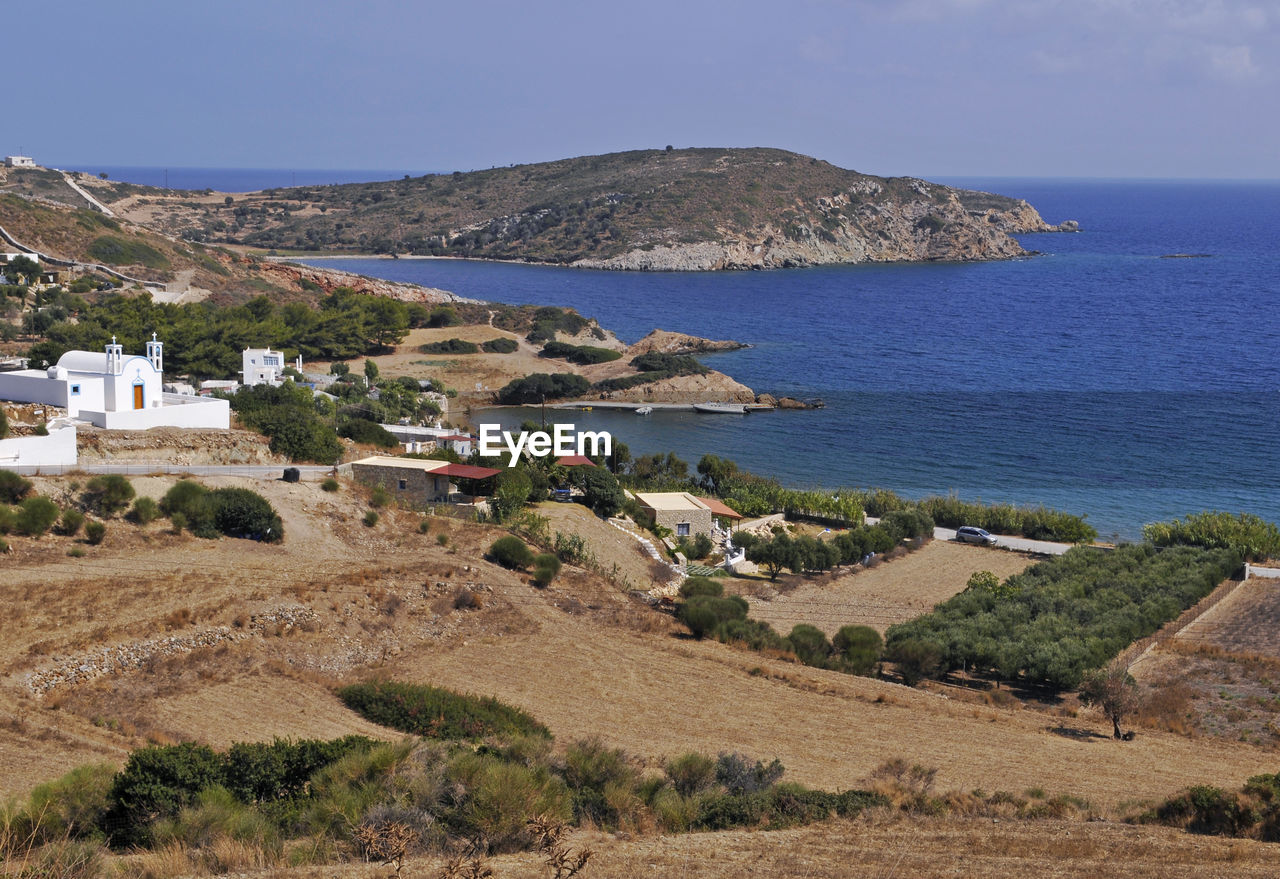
{"x": 254, "y": 471}
{"x": 1021, "y": 544}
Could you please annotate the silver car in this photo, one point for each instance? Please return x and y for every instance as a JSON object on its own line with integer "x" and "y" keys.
{"x": 970, "y": 534}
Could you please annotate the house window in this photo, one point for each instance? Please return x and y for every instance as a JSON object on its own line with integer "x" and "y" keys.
{"x": 75, "y": 390}
{"x": 682, "y": 529}
{"x": 404, "y": 483}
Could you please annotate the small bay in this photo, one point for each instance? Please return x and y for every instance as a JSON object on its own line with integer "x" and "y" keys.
{"x": 1100, "y": 376}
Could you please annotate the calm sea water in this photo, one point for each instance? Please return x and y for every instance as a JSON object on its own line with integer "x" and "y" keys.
{"x": 1096, "y": 377}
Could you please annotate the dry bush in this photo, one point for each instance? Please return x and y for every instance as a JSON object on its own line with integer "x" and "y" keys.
{"x": 1168, "y": 706}
{"x": 179, "y": 619}
{"x": 465, "y": 599}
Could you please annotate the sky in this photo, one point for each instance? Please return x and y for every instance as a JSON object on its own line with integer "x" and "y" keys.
{"x": 1038, "y": 88}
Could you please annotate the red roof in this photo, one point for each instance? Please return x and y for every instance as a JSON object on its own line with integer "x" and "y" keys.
{"x": 454, "y": 437}
{"x": 718, "y": 508}
{"x": 465, "y": 471}
{"x": 575, "y": 461}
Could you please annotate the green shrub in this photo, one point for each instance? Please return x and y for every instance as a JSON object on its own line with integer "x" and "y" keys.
{"x": 579, "y": 354}
{"x": 145, "y": 511}
{"x": 13, "y": 488}
{"x": 70, "y": 522}
{"x": 329, "y": 484}
{"x": 443, "y": 316}
{"x": 437, "y": 713}
{"x": 193, "y": 503}
{"x": 239, "y": 512}
{"x": 542, "y": 386}
{"x": 501, "y": 345}
{"x": 72, "y": 806}
{"x": 362, "y": 430}
{"x": 379, "y": 497}
{"x": 370, "y": 518}
{"x": 602, "y": 781}
{"x": 497, "y": 799}
{"x": 157, "y": 783}
{"x": 545, "y": 568}
{"x": 511, "y": 552}
{"x": 450, "y": 346}
{"x": 108, "y": 495}
{"x": 701, "y": 586}
{"x": 859, "y": 648}
{"x": 95, "y": 531}
{"x": 1256, "y": 538}
{"x": 915, "y": 659}
{"x": 36, "y": 515}
{"x": 691, "y": 773}
{"x": 217, "y": 815}
{"x": 810, "y": 645}
{"x": 704, "y": 613}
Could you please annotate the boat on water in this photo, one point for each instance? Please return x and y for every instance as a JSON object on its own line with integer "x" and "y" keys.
{"x": 645, "y": 410}
{"x": 721, "y": 408}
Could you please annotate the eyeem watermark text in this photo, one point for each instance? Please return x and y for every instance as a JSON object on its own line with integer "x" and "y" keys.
{"x": 561, "y": 441}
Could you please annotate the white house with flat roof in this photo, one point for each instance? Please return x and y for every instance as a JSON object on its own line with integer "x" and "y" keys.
{"x": 115, "y": 391}
{"x": 262, "y": 366}
{"x": 19, "y": 162}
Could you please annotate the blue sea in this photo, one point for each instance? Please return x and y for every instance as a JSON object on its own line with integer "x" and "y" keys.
{"x": 1095, "y": 377}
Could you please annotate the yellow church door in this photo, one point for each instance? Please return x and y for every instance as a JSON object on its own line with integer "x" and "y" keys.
{"x": 137, "y": 396}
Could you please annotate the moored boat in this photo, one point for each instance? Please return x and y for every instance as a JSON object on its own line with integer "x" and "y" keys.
{"x": 721, "y": 408}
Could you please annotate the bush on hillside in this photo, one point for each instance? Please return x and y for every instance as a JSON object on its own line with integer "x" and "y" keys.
{"x": 450, "y": 346}
{"x": 108, "y": 495}
{"x": 35, "y": 516}
{"x": 500, "y": 345}
{"x": 703, "y": 613}
{"x": 145, "y": 511}
{"x": 511, "y": 552}
{"x": 542, "y": 386}
{"x": 858, "y": 648}
{"x": 545, "y": 568}
{"x": 95, "y": 531}
{"x": 13, "y": 487}
{"x": 437, "y": 713}
{"x": 362, "y": 430}
{"x": 582, "y": 355}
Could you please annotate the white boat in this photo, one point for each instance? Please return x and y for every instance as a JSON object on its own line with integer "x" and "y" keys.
{"x": 645, "y": 410}
{"x": 721, "y": 408}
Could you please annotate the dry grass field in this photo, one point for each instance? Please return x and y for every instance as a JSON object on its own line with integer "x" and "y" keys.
{"x": 885, "y": 846}
{"x": 156, "y": 637}
{"x": 892, "y": 592}
{"x": 1220, "y": 675}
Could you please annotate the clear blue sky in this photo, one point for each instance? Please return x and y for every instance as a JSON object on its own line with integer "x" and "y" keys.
{"x": 1149, "y": 88}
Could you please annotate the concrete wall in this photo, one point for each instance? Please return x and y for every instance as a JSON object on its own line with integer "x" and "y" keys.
{"x": 58, "y": 449}
{"x": 699, "y": 520}
{"x": 420, "y": 486}
{"x": 178, "y": 411}
{"x": 35, "y": 386}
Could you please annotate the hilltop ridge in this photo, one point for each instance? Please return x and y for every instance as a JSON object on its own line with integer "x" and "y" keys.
{"x": 687, "y": 209}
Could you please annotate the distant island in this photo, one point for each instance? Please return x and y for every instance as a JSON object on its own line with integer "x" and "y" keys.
{"x": 685, "y": 210}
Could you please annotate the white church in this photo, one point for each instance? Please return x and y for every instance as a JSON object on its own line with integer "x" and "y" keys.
{"x": 115, "y": 391}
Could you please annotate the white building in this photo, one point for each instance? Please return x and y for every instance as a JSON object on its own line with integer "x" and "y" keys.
{"x": 262, "y": 366}
{"x": 19, "y": 162}
{"x": 114, "y": 391}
